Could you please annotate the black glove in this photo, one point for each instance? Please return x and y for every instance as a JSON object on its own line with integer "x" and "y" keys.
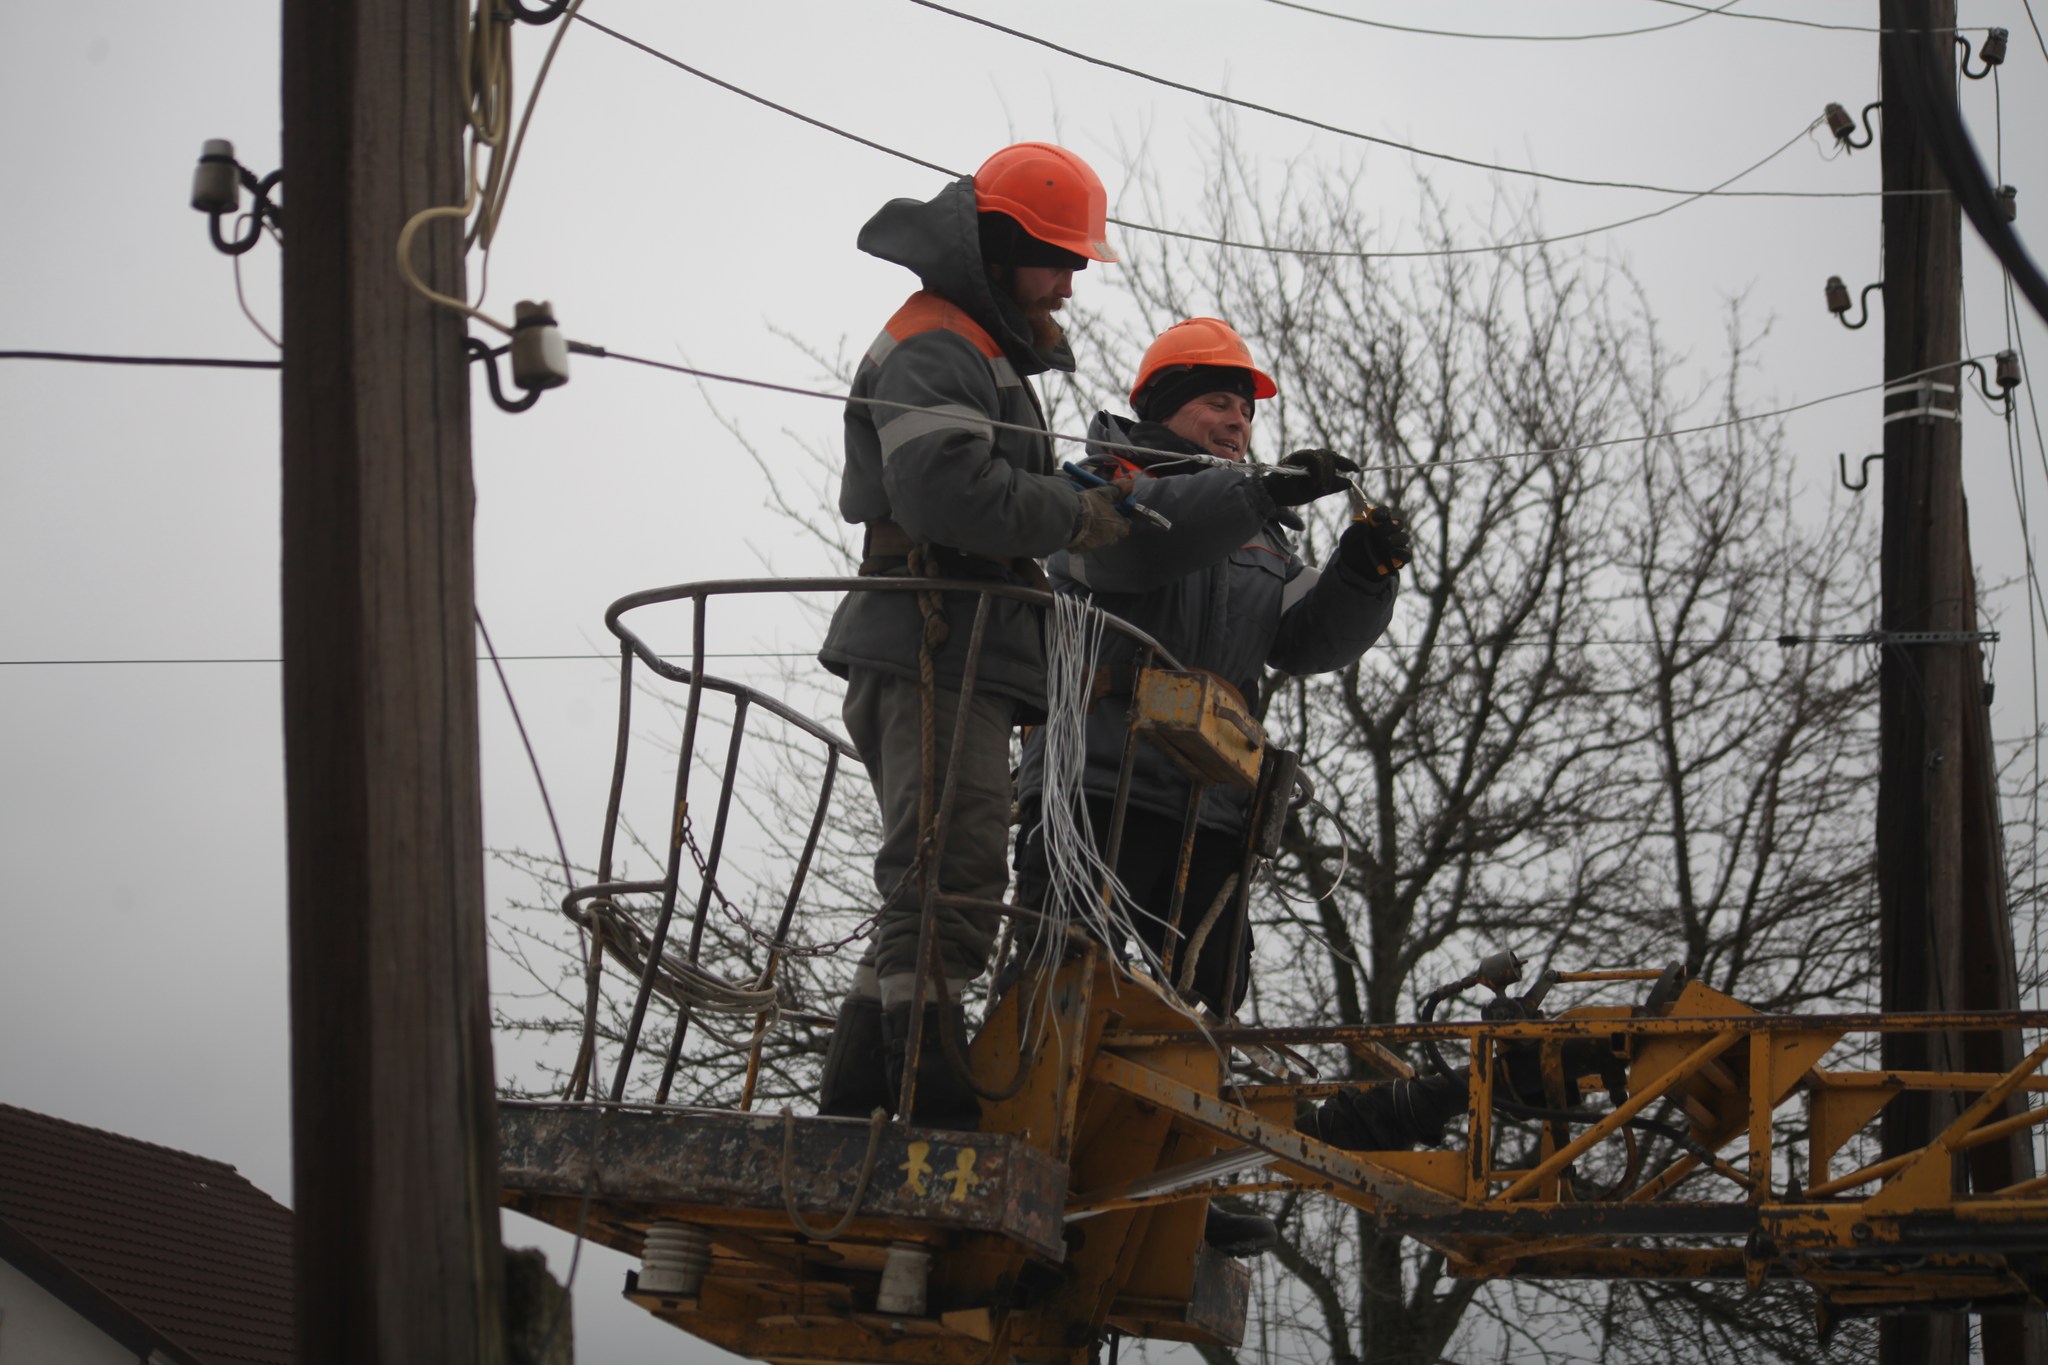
{"x": 1378, "y": 545}
{"x": 1324, "y": 475}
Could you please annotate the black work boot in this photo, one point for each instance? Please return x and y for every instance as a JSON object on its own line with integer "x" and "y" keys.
{"x": 1239, "y": 1234}
{"x": 1390, "y": 1117}
{"x": 943, "y": 1099}
{"x": 856, "y": 1079}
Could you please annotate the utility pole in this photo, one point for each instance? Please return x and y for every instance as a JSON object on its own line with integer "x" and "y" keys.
{"x": 393, "y": 1115}
{"x": 1946, "y": 936}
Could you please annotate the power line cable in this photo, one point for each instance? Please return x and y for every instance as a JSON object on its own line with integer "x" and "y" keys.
{"x": 503, "y": 658}
{"x": 177, "y": 361}
{"x": 1724, "y": 12}
{"x": 763, "y": 100}
{"x": 241, "y": 298}
{"x": 1342, "y": 254}
{"x": 1176, "y": 233}
{"x": 798, "y": 391}
{"x": 1392, "y": 143}
{"x": 532, "y": 759}
{"x": 1498, "y": 456}
{"x": 1502, "y": 37}
{"x": 2043, "y": 42}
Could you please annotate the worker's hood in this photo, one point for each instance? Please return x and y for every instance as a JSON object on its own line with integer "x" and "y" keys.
{"x": 940, "y": 241}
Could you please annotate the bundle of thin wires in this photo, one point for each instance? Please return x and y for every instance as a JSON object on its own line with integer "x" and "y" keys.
{"x": 681, "y": 981}
{"x": 1076, "y": 872}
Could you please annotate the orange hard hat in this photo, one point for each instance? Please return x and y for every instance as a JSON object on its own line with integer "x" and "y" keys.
{"x": 1200, "y": 341}
{"x": 1053, "y": 194}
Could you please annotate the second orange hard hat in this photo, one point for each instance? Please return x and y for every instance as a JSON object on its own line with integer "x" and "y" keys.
{"x": 1053, "y": 194}
{"x": 1200, "y": 341}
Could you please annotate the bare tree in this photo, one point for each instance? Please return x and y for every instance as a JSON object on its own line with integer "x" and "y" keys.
{"x": 1582, "y": 739}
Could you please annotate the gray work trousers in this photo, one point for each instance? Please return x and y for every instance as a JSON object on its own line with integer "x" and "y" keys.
{"x": 883, "y": 720}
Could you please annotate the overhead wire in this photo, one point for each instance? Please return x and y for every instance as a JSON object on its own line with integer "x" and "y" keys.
{"x": 1502, "y": 37}
{"x": 799, "y": 391}
{"x": 764, "y": 101}
{"x": 1386, "y": 467}
{"x": 1724, "y": 12}
{"x": 235, "y": 259}
{"x": 1391, "y": 143}
{"x": 533, "y": 759}
{"x": 1320, "y": 253}
{"x": 189, "y": 362}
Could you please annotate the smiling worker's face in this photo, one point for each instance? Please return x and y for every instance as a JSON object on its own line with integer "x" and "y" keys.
{"x": 1220, "y": 423}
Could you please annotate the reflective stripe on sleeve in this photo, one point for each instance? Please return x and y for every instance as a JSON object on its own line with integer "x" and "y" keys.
{"x": 879, "y": 348}
{"x": 1006, "y": 374}
{"x": 899, "y": 431}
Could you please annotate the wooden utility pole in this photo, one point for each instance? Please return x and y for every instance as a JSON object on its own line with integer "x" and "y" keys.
{"x": 1946, "y": 936}
{"x": 394, "y": 1129}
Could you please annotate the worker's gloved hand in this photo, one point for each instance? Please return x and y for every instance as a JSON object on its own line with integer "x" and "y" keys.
{"x": 1099, "y": 523}
{"x": 1377, "y": 545}
{"x": 1323, "y": 474}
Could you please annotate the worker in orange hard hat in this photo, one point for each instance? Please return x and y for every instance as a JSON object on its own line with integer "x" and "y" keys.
{"x": 951, "y": 473}
{"x": 1222, "y": 587}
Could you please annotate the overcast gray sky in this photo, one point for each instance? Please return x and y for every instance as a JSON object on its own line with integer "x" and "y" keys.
{"x": 142, "y": 947}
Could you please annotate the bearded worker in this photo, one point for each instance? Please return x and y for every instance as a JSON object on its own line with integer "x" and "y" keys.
{"x": 944, "y": 491}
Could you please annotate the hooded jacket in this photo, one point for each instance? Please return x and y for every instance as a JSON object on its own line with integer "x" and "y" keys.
{"x": 961, "y": 352}
{"x": 1222, "y": 590}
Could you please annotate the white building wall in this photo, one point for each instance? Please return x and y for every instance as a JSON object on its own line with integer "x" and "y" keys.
{"x": 38, "y": 1328}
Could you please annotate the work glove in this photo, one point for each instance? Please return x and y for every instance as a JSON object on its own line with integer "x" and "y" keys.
{"x": 1323, "y": 473}
{"x": 1377, "y": 543}
{"x": 1099, "y": 523}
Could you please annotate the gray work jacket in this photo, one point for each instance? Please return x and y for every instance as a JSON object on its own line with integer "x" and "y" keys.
{"x": 961, "y": 353}
{"x": 1222, "y": 590}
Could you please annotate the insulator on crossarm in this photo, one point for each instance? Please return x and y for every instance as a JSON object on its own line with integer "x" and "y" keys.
{"x": 540, "y": 357}
{"x": 216, "y": 180}
{"x": 2008, "y": 371}
{"x": 674, "y": 1260}
{"x": 1993, "y": 50}
{"x": 2008, "y": 202}
{"x": 1838, "y": 296}
{"x": 1839, "y": 122}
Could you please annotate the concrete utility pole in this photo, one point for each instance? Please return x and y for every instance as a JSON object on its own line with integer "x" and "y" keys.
{"x": 394, "y": 1125}
{"x": 1946, "y": 937}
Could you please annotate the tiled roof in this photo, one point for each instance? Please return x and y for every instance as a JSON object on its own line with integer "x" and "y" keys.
{"x": 156, "y": 1246}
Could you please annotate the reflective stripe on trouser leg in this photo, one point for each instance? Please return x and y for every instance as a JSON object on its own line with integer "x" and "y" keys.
{"x": 882, "y": 719}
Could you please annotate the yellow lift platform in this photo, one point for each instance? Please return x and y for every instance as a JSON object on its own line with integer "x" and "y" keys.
{"x": 1112, "y": 1116}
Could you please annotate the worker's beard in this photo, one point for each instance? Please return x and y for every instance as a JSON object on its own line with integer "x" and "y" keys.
{"x": 1046, "y": 332}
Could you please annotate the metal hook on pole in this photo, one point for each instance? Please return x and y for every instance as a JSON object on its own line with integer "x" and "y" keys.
{"x": 2008, "y": 363}
{"x": 1993, "y": 53}
{"x": 1864, "y": 474}
{"x": 1838, "y": 302}
{"x": 1844, "y": 127}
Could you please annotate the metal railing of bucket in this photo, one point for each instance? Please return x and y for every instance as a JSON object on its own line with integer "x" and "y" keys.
{"x": 683, "y": 980}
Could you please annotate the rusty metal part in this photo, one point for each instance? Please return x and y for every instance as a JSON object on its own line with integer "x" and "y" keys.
{"x": 1201, "y": 724}
{"x": 720, "y": 1170}
{"x": 1674, "y": 1024}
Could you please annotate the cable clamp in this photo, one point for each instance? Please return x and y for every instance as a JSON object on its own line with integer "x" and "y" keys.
{"x": 1924, "y": 390}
